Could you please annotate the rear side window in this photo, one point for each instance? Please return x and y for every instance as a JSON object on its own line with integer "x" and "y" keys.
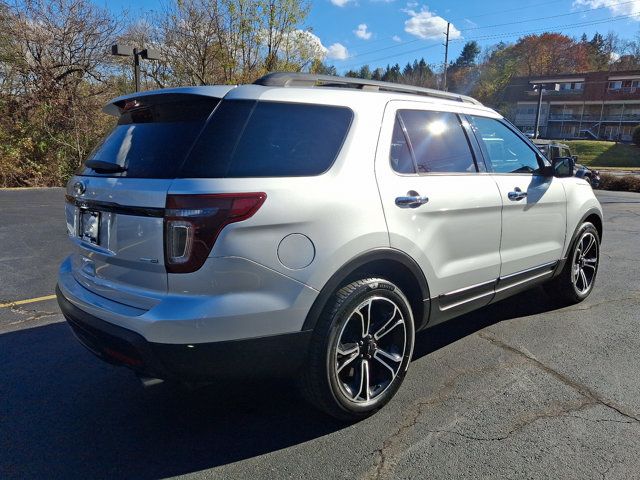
{"x": 152, "y": 137}
{"x": 247, "y": 138}
{"x": 436, "y": 140}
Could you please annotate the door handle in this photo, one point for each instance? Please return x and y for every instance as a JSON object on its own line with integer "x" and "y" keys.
{"x": 412, "y": 200}
{"x": 517, "y": 194}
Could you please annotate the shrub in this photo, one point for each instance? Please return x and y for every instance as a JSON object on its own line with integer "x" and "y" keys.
{"x": 626, "y": 183}
{"x": 635, "y": 136}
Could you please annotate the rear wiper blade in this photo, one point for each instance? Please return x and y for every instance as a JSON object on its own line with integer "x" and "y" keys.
{"x": 100, "y": 166}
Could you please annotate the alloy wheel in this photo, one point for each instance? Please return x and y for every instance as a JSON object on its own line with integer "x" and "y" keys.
{"x": 370, "y": 349}
{"x": 585, "y": 263}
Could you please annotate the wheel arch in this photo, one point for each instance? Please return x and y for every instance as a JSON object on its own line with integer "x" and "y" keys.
{"x": 594, "y": 216}
{"x": 391, "y": 264}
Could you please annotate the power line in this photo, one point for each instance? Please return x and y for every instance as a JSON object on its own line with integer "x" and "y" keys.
{"x": 502, "y": 35}
{"x": 489, "y": 37}
{"x": 525, "y": 7}
{"x": 550, "y": 29}
{"x": 548, "y": 17}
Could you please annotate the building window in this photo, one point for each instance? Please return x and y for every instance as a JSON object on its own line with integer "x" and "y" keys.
{"x": 624, "y": 86}
{"x": 571, "y": 86}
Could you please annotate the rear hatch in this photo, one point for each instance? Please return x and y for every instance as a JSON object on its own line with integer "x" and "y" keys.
{"x": 116, "y": 202}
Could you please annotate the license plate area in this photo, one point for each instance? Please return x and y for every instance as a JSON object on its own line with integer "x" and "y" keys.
{"x": 89, "y": 226}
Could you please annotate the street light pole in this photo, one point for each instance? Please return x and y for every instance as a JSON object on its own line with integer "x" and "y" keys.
{"x": 127, "y": 51}
{"x": 136, "y": 68}
{"x": 540, "y": 88}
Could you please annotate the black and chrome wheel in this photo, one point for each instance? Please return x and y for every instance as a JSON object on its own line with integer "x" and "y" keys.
{"x": 585, "y": 263}
{"x": 578, "y": 276}
{"x": 361, "y": 349}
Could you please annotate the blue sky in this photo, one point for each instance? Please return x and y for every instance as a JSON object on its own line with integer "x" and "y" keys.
{"x": 381, "y": 32}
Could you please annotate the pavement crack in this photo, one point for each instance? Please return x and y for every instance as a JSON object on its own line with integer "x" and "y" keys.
{"x": 554, "y": 413}
{"x": 30, "y": 315}
{"x": 386, "y": 460}
{"x": 634, "y": 296}
{"x": 582, "y": 389}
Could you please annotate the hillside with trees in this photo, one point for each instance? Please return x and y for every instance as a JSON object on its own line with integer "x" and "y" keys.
{"x": 56, "y": 71}
{"x": 485, "y": 74}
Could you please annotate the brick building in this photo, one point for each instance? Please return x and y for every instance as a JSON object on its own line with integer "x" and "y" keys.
{"x": 596, "y": 105}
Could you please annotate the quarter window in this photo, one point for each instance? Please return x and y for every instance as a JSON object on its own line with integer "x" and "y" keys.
{"x": 245, "y": 138}
{"x": 433, "y": 141}
{"x": 505, "y": 150}
{"x": 401, "y": 158}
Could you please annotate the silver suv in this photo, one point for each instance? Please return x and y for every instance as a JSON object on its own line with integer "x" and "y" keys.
{"x": 310, "y": 225}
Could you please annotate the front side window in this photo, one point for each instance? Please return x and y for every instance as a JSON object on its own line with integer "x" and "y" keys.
{"x": 436, "y": 141}
{"x": 506, "y": 151}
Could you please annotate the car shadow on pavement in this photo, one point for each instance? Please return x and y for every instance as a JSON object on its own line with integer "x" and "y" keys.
{"x": 65, "y": 414}
{"x": 530, "y": 302}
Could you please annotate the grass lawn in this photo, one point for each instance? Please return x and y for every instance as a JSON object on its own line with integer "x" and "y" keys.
{"x": 605, "y": 154}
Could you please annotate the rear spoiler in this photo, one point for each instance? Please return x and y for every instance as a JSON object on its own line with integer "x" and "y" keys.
{"x": 217, "y": 91}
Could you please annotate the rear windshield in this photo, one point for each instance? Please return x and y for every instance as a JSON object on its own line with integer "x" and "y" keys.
{"x": 153, "y": 136}
{"x": 247, "y": 138}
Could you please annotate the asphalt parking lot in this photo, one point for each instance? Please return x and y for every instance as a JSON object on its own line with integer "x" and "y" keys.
{"x": 520, "y": 389}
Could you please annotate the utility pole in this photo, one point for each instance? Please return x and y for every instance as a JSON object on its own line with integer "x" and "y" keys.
{"x": 446, "y": 57}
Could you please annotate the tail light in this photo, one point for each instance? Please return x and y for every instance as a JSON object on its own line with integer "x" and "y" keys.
{"x": 192, "y": 224}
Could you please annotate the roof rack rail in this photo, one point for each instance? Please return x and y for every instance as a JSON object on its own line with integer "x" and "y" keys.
{"x": 285, "y": 79}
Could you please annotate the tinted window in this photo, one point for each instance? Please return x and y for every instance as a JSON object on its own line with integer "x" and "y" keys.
{"x": 268, "y": 139}
{"x": 506, "y": 151}
{"x": 400, "y": 155}
{"x": 152, "y": 136}
{"x": 437, "y": 141}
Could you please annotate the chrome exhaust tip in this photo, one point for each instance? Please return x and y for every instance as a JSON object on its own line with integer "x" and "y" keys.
{"x": 148, "y": 382}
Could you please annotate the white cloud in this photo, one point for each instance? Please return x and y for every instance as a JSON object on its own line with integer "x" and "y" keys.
{"x": 363, "y": 32}
{"x": 396, "y": 38}
{"x": 340, "y": 3}
{"x": 337, "y": 51}
{"x": 428, "y": 26}
{"x": 616, "y": 6}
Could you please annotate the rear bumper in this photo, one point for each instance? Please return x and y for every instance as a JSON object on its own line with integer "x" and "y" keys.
{"x": 275, "y": 355}
{"x": 227, "y": 299}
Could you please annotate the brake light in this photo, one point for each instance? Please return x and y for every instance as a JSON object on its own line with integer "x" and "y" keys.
{"x": 192, "y": 224}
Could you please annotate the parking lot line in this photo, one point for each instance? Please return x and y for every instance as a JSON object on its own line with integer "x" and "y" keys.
{"x": 29, "y": 300}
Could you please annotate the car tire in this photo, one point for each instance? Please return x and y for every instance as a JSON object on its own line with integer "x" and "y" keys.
{"x": 575, "y": 281}
{"x": 360, "y": 350}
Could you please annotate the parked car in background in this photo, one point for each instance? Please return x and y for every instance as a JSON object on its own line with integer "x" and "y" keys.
{"x": 552, "y": 149}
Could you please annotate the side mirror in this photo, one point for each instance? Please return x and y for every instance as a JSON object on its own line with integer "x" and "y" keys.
{"x": 575, "y": 158}
{"x": 563, "y": 167}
